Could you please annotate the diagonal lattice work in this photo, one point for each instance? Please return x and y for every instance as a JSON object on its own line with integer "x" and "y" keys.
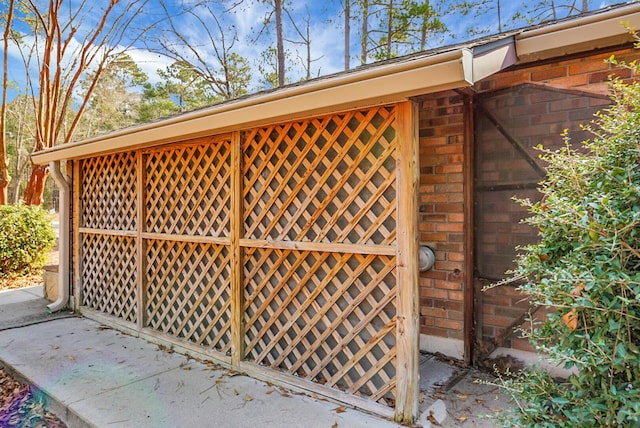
{"x": 189, "y": 292}
{"x": 329, "y": 179}
{"x": 327, "y": 317}
{"x": 187, "y": 189}
{"x": 108, "y": 197}
{"x": 109, "y": 275}
{"x": 314, "y": 258}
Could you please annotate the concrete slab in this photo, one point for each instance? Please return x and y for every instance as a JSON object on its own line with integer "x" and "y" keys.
{"x": 25, "y": 306}
{"x": 21, "y": 295}
{"x": 107, "y": 378}
{"x": 97, "y": 376}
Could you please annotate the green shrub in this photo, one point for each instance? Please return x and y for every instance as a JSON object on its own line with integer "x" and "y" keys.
{"x": 26, "y": 236}
{"x": 586, "y": 267}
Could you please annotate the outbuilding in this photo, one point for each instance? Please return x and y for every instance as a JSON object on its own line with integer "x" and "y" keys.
{"x": 322, "y": 234}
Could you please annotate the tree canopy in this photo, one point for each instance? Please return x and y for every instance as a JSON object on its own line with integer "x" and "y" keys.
{"x": 88, "y": 67}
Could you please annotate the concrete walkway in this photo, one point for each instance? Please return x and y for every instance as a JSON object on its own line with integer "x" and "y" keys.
{"x": 96, "y": 376}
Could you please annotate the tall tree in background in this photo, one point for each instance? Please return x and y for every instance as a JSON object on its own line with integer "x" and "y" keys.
{"x": 426, "y": 23}
{"x": 347, "y": 34}
{"x": 71, "y": 41}
{"x": 545, "y": 10}
{"x": 280, "y": 42}
{"x": 114, "y": 103}
{"x": 305, "y": 40}
{"x": 212, "y": 57}
{"x": 364, "y": 32}
{"x": 274, "y": 16}
{"x": 534, "y": 12}
{"x": 4, "y": 165}
{"x": 20, "y": 140}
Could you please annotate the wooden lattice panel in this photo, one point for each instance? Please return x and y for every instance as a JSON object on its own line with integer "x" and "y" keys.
{"x": 328, "y": 179}
{"x": 327, "y": 317}
{"x": 109, "y": 275}
{"x": 108, "y": 197}
{"x": 189, "y": 292}
{"x": 187, "y": 189}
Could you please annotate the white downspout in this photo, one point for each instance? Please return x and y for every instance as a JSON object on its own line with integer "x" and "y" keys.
{"x": 63, "y": 239}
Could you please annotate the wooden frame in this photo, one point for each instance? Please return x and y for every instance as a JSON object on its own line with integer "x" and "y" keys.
{"x": 281, "y": 246}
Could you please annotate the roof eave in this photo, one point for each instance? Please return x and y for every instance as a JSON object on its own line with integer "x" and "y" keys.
{"x": 583, "y": 34}
{"x": 387, "y": 83}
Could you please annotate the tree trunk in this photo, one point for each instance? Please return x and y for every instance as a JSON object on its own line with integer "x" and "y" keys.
{"x": 4, "y": 183}
{"x": 35, "y": 187}
{"x": 347, "y": 34}
{"x": 280, "y": 43}
{"x": 4, "y": 167}
{"x": 364, "y": 41}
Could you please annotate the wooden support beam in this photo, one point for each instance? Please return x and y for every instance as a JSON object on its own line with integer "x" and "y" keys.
{"x": 77, "y": 244}
{"x": 408, "y": 310}
{"x": 469, "y": 307}
{"x": 141, "y": 249}
{"x": 237, "y": 282}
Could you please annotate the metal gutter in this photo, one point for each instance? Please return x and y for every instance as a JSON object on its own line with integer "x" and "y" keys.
{"x": 63, "y": 239}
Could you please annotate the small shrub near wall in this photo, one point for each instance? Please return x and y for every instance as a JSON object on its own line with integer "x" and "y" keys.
{"x": 586, "y": 267}
{"x": 26, "y": 236}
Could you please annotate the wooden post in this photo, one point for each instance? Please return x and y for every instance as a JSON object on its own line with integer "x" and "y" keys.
{"x": 469, "y": 281}
{"x": 141, "y": 248}
{"x": 237, "y": 286}
{"x": 77, "y": 244}
{"x": 408, "y": 311}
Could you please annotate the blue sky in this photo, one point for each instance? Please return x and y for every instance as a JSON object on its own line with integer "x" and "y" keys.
{"x": 326, "y": 29}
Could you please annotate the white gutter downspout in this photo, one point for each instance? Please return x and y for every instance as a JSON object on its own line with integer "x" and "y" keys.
{"x": 63, "y": 239}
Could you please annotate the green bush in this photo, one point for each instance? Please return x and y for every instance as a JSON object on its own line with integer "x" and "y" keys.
{"x": 26, "y": 236}
{"x": 586, "y": 267}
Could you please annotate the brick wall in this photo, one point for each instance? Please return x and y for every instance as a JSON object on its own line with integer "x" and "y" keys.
{"x": 442, "y": 222}
{"x": 442, "y": 213}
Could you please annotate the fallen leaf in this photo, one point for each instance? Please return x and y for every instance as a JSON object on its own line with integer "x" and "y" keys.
{"x": 462, "y": 396}
{"x": 462, "y": 418}
{"x": 340, "y": 409}
{"x": 577, "y": 290}
{"x": 269, "y": 392}
{"x": 335, "y": 425}
{"x": 235, "y": 392}
{"x": 570, "y": 319}
{"x": 432, "y": 418}
{"x": 248, "y": 398}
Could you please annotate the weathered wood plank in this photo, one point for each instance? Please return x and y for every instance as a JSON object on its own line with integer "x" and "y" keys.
{"x": 407, "y": 374}
{"x": 381, "y": 250}
{"x": 237, "y": 225}
{"x": 141, "y": 251}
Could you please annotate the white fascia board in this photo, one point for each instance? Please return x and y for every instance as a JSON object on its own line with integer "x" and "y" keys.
{"x": 579, "y": 35}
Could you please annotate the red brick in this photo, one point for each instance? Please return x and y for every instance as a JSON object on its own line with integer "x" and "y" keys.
{"x": 497, "y": 321}
{"x": 450, "y": 227}
{"x": 448, "y": 285}
{"x": 588, "y": 66}
{"x": 432, "y": 331}
{"x": 603, "y": 76}
{"x": 448, "y": 149}
{"x": 456, "y": 295}
{"x": 448, "y": 324}
{"x": 435, "y": 293}
{"x": 548, "y": 74}
{"x": 433, "y": 312}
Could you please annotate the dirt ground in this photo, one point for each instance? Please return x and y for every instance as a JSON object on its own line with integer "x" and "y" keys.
{"x": 20, "y": 407}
